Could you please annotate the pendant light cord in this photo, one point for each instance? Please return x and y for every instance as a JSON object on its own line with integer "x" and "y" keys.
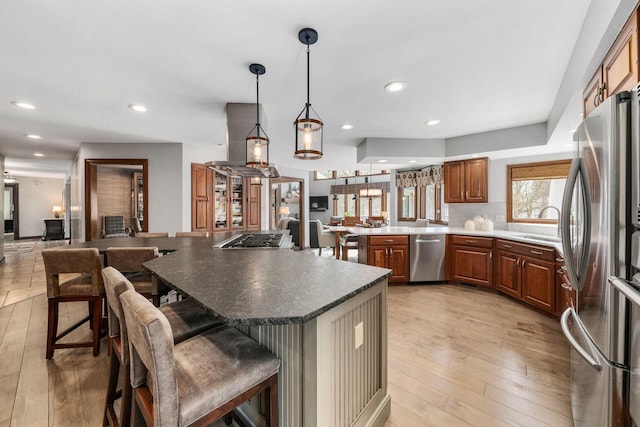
{"x": 258, "y": 104}
{"x": 308, "y": 77}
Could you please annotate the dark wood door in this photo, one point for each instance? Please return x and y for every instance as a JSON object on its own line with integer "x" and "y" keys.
{"x": 472, "y": 265}
{"x": 538, "y": 283}
{"x": 476, "y": 177}
{"x": 508, "y": 273}
{"x": 201, "y": 198}
{"x": 454, "y": 182}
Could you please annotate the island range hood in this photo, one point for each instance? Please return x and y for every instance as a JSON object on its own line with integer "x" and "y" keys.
{"x": 241, "y": 118}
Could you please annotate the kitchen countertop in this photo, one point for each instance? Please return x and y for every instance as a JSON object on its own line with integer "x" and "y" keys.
{"x": 512, "y": 235}
{"x": 263, "y": 286}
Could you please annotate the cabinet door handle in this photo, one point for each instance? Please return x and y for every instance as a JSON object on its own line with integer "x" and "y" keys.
{"x": 467, "y": 194}
{"x": 390, "y": 252}
{"x": 389, "y": 241}
{"x": 524, "y": 261}
{"x": 507, "y": 246}
{"x": 537, "y": 252}
{"x": 559, "y": 259}
{"x": 566, "y": 286}
{"x": 472, "y": 241}
{"x": 518, "y": 262}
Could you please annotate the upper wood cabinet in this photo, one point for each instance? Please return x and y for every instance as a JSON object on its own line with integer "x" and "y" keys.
{"x": 619, "y": 68}
{"x": 466, "y": 181}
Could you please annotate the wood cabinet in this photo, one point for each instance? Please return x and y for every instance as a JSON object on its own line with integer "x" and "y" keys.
{"x": 222, "y": 203}
{"x": 388, "y": 252}
{"x": 466, "y": 181}
{"x": 470, "y": 259}
{"x": 619, "y": 68}
{"x": 526, "y": 272}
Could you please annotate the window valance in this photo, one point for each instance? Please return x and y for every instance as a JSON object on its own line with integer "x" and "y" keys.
{"x": 420, "y": 178}
{"x": 355, "y": 188}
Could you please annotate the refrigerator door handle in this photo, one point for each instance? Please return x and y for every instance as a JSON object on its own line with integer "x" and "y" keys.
{"x": 625, "y": 289}
{"x": 576, "y": 273}
{"x": 564, "y": 323}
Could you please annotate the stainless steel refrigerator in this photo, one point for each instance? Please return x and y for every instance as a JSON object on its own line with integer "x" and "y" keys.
{"x": 598, "y": 226}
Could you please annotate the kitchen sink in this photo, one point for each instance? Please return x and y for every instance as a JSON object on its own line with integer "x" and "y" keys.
{"x": 540, "y": 237}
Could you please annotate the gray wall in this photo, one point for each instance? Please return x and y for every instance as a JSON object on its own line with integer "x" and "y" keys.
{"x": 2, "y": 213}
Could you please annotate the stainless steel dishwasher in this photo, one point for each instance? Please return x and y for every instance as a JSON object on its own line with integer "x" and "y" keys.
{"x": 426, "y": 257}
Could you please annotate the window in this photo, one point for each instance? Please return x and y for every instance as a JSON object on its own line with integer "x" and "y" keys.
{"x": 407, "y": 203}
{"x": 535, "y": 191}
{"x": 435, "y": 210}
{"x": 345, "y": 205}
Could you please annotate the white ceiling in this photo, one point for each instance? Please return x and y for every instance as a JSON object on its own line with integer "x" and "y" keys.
{"x": 475, "y": 65}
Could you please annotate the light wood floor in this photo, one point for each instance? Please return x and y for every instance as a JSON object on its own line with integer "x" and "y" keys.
{"x": 457, "y": 357}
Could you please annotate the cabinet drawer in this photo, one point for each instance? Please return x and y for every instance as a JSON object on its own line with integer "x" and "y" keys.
{"x": 388, "y": 240}
{"x": 538, "y": 252}
{"x": 477, "y": 242}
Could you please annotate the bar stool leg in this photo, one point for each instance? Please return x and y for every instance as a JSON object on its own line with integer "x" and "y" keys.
{"x": 52, "y": 327}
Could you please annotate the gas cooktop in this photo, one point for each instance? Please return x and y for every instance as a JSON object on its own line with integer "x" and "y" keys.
{"x": 262, "y": 241}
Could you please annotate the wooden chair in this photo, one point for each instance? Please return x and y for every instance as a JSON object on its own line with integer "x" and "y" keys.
{"x": 348, "y": 241}
{"x": 350, "y": 221}
{"x": 197, "y": 381}
{"x": 129, "y": 262}
{"x": 192, "y": 234}
{"x": 86, "y": 285}
{"x": 148, "y": 234}
{"x": 185, "y": 318}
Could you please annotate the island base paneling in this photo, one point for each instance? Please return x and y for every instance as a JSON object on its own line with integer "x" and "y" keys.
{"x": 324, "y": 379}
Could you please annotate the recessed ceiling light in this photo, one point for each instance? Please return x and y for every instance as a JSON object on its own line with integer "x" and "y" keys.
{"x": 382, "y": 161}
{"x": 395, "y": 86}
{"x": 139, "y": 108}
{"x": 24, "y": 105}
{"x": 346, "y": 126}
{"x": 432, "y": 122}
{"x": 412, "y": 161}
{"x": 38, "y": 154}
{"x": 33, "y": 136}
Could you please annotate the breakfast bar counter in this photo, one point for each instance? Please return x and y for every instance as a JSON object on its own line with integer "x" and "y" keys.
{"x": 324, "y": 318}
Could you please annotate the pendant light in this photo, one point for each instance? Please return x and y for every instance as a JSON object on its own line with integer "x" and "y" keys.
{"x": 257, "y": 141}
{"x": 308, "y": 124}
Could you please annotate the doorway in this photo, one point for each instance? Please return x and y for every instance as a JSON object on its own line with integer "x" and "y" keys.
{"x": 137, "y": 198}
{"x": 287, "y": 192}
{"x": 11, "y": 212}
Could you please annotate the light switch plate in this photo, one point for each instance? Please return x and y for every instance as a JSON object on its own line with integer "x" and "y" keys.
{"x": 359, "y": 335}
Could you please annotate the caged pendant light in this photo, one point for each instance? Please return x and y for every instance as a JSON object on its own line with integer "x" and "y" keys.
{"x": 308, "y": 125}
{"x": 257, "y": 141}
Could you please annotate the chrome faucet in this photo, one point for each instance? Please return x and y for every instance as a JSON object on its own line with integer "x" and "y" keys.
{"x": 559, "y": 232}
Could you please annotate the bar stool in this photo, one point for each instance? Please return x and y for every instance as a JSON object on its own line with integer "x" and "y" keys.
{"x": 192, "y": 234}
{"x": 129, "y": 261}
{"x": 198, "y": 380}
{"x": 156, "y": 234}
{"x": 85, "y": 286}
{"x": 185, "y": 318}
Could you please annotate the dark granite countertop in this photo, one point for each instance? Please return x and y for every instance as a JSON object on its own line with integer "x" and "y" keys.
{"x": 263, "y": 286}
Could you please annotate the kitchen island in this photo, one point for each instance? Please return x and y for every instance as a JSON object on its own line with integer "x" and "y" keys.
{"x": 324, "y": 318}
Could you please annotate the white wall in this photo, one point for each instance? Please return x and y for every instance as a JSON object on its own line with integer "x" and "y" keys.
{"x": 2, "y": 212}
{"x": 36, "y": 196}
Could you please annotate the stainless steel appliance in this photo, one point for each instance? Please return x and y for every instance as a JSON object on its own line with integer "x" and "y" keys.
{"x": 426, "y": 257}
{"x": 257, "y": 241}
{"x": 597, "y": 239}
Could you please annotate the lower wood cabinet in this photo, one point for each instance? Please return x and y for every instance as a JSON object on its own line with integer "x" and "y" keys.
{"x": 566, "y": 296}
{"x": 388, "y": 252}
{"x": 527, "y": 272}
{"x": 470, "y": 259}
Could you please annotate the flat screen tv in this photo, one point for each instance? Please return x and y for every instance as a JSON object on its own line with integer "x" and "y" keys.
{"x": 318, "y": 203}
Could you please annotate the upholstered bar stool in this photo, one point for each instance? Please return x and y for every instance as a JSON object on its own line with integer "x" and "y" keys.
{"x": 156, "y": 234}
{"x": 198, "y": 380}
{"x": 185, "y": 318}
{"x": 129, "y": 261}
{"x": 192, "y": 234}
{"x": 85, "y": 285}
